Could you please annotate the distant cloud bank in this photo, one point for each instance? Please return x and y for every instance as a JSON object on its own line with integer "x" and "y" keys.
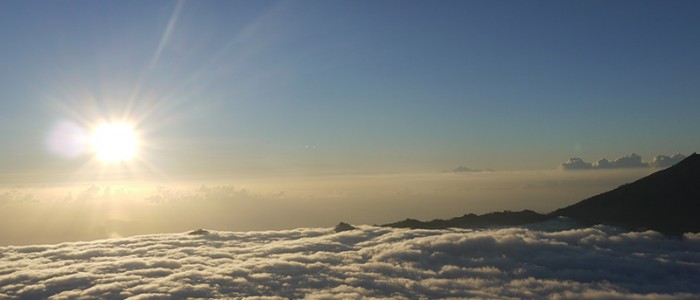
{"x": 550, "y": 260}
{"x": 628, "y": 161}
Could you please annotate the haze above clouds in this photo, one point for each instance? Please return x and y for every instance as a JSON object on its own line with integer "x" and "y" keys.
{"x": 54, "y": 213}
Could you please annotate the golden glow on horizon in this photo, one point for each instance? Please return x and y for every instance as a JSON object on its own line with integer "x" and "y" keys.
{"x": 114, "y": 142}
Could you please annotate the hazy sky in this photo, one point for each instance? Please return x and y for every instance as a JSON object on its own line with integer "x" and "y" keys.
{"x": 229, "y": 91}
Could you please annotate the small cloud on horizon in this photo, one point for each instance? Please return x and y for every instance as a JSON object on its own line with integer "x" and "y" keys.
{"x": 628, "y": 161}
{"x": 463, "y": 169}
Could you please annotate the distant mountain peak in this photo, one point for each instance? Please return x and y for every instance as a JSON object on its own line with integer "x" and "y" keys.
{"x": 463, "y": 169}
{"x": 342, "y": 226}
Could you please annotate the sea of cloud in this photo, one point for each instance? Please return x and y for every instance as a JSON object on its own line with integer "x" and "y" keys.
{"x": 550, "y": 260}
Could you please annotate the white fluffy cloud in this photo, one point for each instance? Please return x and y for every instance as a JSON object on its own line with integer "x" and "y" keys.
{"x": 547, "y": 260}
{"x": 663, "y": 161}
{"x": 628, "y": 161}
{"x": 575, "y": 163}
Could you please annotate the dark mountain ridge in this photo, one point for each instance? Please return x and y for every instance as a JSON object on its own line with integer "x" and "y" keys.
{"x": 667, "y": 201}
{"x": 505, "y": 218}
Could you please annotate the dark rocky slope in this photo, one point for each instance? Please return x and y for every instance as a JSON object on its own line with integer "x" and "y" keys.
{"x": 505, "y": 218}
{"x": 667, "y": 201}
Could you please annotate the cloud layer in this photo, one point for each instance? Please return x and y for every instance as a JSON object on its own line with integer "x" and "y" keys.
{"x": 628, "y": 161}
{"x": 548, "y": 260}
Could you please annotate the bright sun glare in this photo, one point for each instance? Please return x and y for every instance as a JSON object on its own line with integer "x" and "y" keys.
{"x": 114, "y": 142}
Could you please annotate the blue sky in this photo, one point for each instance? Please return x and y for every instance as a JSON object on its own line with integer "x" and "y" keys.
{"x": 252, "y": 87}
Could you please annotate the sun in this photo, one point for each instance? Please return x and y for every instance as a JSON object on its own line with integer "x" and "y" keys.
{"x": 114, "y": 142}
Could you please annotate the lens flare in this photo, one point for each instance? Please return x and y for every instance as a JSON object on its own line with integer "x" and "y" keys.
{"x": 67, "y": 140}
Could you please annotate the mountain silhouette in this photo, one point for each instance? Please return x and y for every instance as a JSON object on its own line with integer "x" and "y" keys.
{"x": 667, "y": 201}
{"x": 342, "y": 226}
{"x": 505, "y": 218}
